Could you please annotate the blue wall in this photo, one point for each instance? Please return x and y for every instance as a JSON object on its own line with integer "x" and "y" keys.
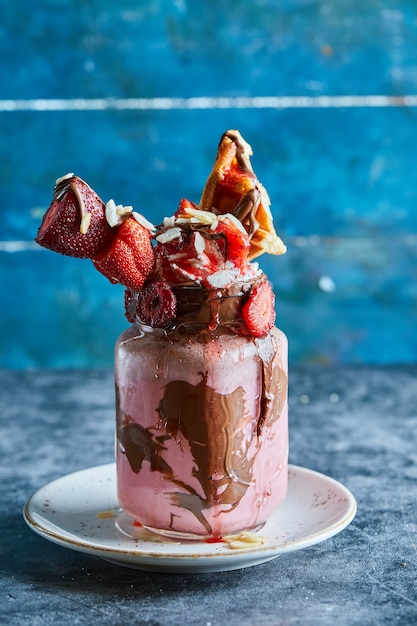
{"x": 340, "y": 171}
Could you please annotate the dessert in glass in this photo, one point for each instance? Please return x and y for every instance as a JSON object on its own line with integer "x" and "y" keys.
{"x": 201, "y": 373}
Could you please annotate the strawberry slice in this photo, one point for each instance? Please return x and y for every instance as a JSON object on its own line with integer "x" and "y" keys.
{"x": 75, "y": 223}
{"x": 156, "y": 304}
{"x": 130, "y": 306}
{"x": 173, "y": 251}
{"x": 237, "y": 242}
{"x": 258, "y": 312}
{"x": 184, "y": 205}
{"x": 194, "y": 250}
{"x": 231, "y": 188}
{"x": 130, "y": 257}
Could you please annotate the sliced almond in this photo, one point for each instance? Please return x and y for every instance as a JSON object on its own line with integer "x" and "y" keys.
{"x": 169, "y": 235}
{"x": 199, "y": 244}
{"x": 112, "y": 216}
{"x": 243, "y": 540}
{"x": 106, "y": 514}
{"x": 169, "y": 221}
{"x": 204, "y": 217}
{"x": 141, "y": 219}
{"x": 234, "y": 220}
{"x": 85, "y": 223}
{"x": 116, "y": 213}
{"x": 176, "y": 257}
{"x": 221, "y": 279}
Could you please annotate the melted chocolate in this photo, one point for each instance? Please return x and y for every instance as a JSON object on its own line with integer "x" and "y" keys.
{"x": 208, "y": 314}
{"x": 139, "y": 445}
{"x": 207, "y": 419}
{"x": 198, "y": 307}
{"x": 274, "y": 385}
{"x": 246, "y": 209}
{"x": 67, "y": 185}
{"x": 242, "y": 159}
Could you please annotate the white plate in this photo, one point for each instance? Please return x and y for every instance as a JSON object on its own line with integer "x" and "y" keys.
{"x": 80, "y": 511}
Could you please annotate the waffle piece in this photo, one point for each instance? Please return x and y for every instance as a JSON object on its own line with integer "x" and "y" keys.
{"x": 232, "y": 187}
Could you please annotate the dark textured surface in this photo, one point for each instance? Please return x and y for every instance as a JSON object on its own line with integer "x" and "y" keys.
{"x": 340, "y": 174}
{"x": 356, "y": 424}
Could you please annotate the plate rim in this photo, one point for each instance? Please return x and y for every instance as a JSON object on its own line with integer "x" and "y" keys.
{"x": 128, "y": 556}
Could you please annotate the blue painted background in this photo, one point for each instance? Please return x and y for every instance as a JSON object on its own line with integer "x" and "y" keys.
{"x": 341, "y": 176}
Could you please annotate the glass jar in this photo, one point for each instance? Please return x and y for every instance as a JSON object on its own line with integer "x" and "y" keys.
{"x": 202, "y": 427}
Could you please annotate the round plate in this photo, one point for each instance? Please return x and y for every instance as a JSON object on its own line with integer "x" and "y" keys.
{"x": 80, "y": 511}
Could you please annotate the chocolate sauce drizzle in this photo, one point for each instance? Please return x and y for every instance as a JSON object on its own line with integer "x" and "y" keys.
{"x": 205, "y": 419}
{"x": 246, "y": 208}
{"x": 245, "y": 211}
{"x": 66, "y": 185}
{"x": 243, "y": 161}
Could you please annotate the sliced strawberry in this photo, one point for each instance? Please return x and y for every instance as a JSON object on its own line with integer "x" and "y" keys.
{"x": 157, "y": 304}
{"x": 237, "y": 242}
{"x": 130, "y": 306}
{"x": 185, "y": 204}
{"x": 172, "y": 252}
{"x": 191, "y": 248}
{"x": 75, "y": 223}
{"x": 130, "y": 257}
{"x": 230, "y": 189}
{"x": 258, "y": 312}
{"x": 191, "y": 257}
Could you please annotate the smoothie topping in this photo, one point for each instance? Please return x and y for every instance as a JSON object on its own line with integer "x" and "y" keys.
{"x": 85, "y": 223}
{"x": 203, "y": 249}
{"x": 245, "y": 539}
{"x": 210, "y": 246}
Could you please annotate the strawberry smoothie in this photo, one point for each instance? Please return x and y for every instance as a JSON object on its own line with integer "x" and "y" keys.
{"x": 202, "y": 444}
{"x": 201, "y": 374}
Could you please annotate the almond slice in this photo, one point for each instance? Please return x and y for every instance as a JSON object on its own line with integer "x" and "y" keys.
{"x": 85, "y": 223}
{"x": 169, "y": 235}
{"x": 141, "y": 219}
{"x": 245, "y": 539}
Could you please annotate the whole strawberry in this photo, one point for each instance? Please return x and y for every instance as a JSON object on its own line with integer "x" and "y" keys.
{"x": 75, "y": 223}
{"x": 130, "y": 257}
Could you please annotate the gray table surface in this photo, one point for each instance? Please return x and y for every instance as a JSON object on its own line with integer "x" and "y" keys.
{"x": 357, "y": 425}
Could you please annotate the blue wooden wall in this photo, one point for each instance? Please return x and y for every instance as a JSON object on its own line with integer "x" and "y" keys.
{"x": 133, "y": 97}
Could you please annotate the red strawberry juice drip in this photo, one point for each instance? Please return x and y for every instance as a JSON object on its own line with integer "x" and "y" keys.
{"x": 137, "y": 524}
{"x": 216, "y": 539}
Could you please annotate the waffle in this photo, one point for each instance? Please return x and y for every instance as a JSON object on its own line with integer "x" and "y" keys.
{"x": 232, "y": 187}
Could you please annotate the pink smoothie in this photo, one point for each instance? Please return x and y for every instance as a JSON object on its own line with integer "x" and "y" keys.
{"x": 202, "y": 429}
